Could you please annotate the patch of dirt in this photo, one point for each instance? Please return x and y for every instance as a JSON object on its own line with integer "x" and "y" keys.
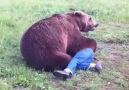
{"x": 117, "y": 59}
{"x": 19, "y": 88}
{"x": 57, "y": 83}
{"x": 118, "y": 54}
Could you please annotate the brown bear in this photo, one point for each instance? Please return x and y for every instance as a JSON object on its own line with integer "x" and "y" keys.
{"x": 51, "y": 43}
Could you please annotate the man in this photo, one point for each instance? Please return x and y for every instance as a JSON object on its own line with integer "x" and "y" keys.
{"x": 82, "y": 60}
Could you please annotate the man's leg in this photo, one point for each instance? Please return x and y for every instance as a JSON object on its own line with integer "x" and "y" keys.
{"x": 83, "y": 57}
{"x": 81, "y": 60}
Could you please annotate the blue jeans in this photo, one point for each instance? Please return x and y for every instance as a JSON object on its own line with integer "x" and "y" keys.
{"x": 81, "y": 60}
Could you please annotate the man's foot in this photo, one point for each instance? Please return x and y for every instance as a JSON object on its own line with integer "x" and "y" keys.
{"x": 98, "y": 66}
{"x": 61, "y": 74}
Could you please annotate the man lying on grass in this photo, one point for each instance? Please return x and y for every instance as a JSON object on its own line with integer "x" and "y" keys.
{"x": 82, "y": 60}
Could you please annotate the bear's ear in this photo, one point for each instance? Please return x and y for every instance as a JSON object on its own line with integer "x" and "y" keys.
{"x": 55, "y": 15}
{"x": 78, "y": 13}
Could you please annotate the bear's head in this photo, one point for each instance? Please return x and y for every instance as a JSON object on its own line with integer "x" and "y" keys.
{"x": 84, "y": 21}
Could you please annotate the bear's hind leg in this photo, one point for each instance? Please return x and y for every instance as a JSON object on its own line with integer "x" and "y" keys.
{"x": 61, "y": 60}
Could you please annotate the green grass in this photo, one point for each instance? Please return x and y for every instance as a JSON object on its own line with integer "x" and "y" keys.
{"x": 112, "y": 36}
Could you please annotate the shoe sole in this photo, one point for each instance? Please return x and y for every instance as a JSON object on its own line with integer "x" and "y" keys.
{"x": 60, "y": 75}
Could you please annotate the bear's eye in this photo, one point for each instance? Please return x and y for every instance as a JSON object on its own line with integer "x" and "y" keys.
{"x": 90, "y": 18}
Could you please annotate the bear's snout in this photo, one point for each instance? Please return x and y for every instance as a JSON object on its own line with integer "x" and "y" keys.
{"x": 92, "y": 28}
{"x": 96, "y": 25}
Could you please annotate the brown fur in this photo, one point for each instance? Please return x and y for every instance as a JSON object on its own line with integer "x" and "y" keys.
{"x": 50, "y": 43}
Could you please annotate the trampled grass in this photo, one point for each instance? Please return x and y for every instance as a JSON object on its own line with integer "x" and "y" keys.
{"x": 112, "y": 36}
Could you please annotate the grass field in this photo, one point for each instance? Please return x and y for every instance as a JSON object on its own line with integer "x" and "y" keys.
{"x": 112, "y": 36}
